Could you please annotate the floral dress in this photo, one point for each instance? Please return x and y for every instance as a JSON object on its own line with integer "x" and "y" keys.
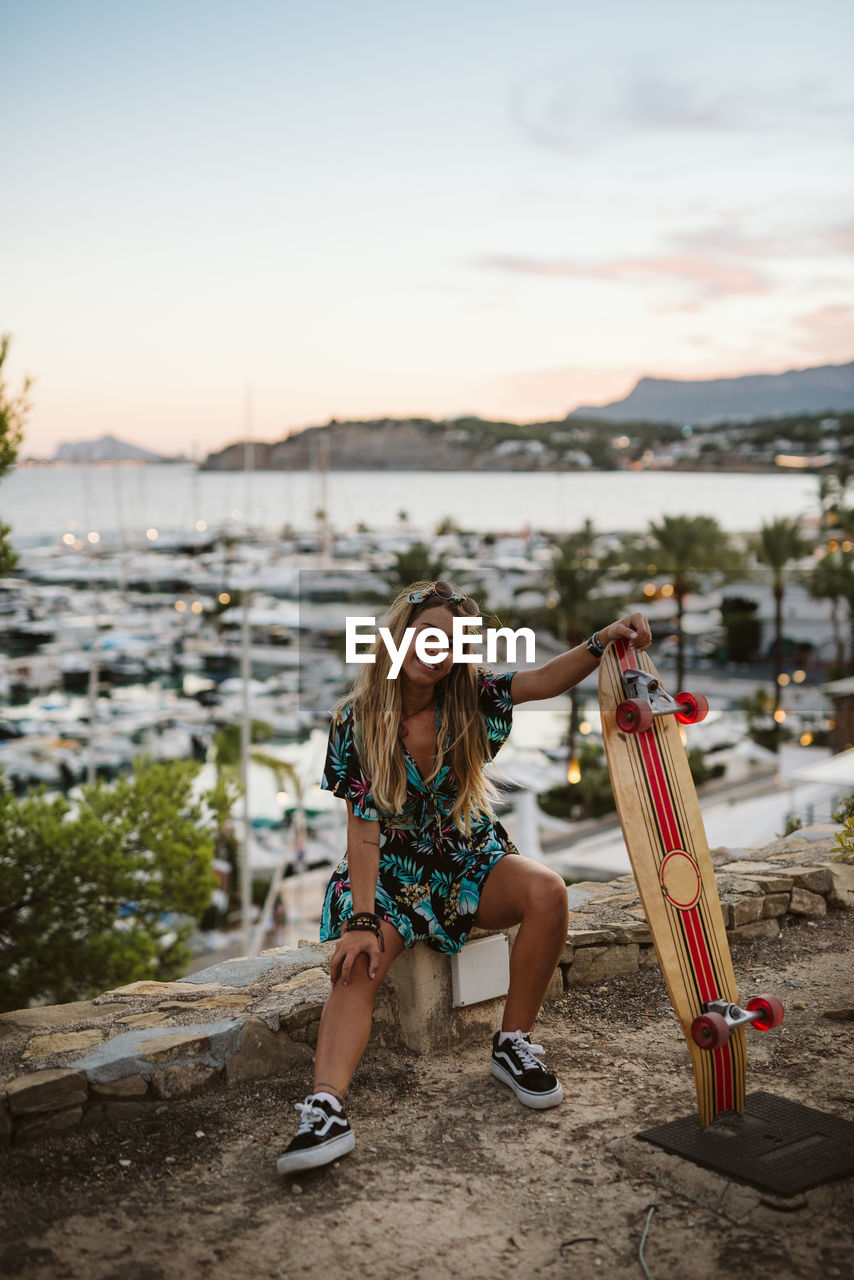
{"x": 430, "y": 875}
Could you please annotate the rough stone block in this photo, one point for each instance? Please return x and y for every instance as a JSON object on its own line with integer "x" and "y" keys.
{"x": 103, "y": 1111}
{"x": 305, "y": 978}
{"x": 246, "y": 970}
{"x": 776, "y": 882}
{"x": 231, "y": 1004}
{"x": 746, "y": 910}
{"x": 263, "y": 1053}
{"x": 124, "y": 1087}
{"x": 648, "y": 958}
{"x": 41, "y": 1126}
{"x": 130, "y": 1053}
{"x": 48, "y": 1017}
{"x": 169, "y": 1048}
{"x": 154, "y": 1018}
{"x": 804, "y": 903}
{"x": 726, "y": 914}
{"x": 746, "y": 868}
{"x": 598, "y": 964}
{"x": 164, "y": 989}
{"x": 44, "y": 1091}
{"x": 181, "y": 1079}
{"x": 6, "y": 1124}
{"x": 776, "y": 904}
{"x": 44, "y": 1046}
{"x": 294, "y": 1003}
{"x": 842, "y": 884}
{"x": 755, "y": 930}
{"x": 589, "y": 937}
{"x": 637, "y": 931}
{"x": 815, "y": 879}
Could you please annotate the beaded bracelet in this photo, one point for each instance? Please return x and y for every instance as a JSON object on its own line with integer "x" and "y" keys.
{"x": 365, "y": 922}
{"x": 595, "y": 647}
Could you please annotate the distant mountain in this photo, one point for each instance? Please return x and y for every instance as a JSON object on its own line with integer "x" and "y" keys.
{"x": 757, "y": 395}
{"x": 106, "y": 449}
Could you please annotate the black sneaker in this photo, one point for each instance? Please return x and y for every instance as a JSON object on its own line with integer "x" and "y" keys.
{"x": 514, "y": 1064}
{"x": 323, "y": 1135}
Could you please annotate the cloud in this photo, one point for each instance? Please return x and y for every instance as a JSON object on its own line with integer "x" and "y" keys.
{"x": 557, "y": 111}
{"x": 827, "y": 332}
{"x": 712, "y": 279}
{"x": 841, "y": 237}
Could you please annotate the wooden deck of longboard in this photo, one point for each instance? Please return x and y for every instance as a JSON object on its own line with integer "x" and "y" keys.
{"x": 666, "y": 842}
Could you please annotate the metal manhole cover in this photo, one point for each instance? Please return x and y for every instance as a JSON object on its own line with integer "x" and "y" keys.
{"x": 778, "y": 1145}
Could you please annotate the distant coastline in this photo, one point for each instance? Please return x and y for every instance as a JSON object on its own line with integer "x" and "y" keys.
{"x": 804, "y": 442}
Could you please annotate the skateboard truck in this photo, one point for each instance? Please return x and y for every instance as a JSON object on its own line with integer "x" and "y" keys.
{"x": 647, "y": 699}
{"x": 718, "y": 1019}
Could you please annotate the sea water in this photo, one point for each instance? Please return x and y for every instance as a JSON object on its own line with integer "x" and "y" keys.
{"x": 43, "y": 503}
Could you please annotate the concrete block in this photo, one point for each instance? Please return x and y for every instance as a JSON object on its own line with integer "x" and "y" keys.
{"x": 420, "y": 981}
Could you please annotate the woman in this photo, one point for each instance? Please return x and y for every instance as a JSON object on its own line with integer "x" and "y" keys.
{"x": 426, "y": 859}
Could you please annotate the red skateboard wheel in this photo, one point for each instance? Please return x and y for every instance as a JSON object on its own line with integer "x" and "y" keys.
{"x": 710, "y": 1030}
{"x": 634, "y": 716}
{"x": 696, "y": 708}
{"x": 771, "y": 1014}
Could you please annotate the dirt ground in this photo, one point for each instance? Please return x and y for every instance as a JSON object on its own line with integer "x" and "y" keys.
{"x": 450, "y": 1175}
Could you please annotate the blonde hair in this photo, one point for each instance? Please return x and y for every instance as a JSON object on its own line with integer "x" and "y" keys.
{"x": 377, "y": 709}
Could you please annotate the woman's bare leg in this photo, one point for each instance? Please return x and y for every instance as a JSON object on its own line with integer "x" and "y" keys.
{"x": 520, "y": 891}
{"x": 345, "y": 1026}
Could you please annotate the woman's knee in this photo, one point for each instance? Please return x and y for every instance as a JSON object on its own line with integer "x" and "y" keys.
{"x": 547, "y": 897}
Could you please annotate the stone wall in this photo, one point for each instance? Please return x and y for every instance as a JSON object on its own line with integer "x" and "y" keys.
{"x": 140, "y": 1046}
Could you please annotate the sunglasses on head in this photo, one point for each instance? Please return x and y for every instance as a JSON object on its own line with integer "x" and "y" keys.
{"x": 445, "y": 592}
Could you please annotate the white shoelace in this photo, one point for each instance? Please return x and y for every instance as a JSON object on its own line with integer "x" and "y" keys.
{"x": 309, "y": 1115}
{"x": 526, "y": 1052}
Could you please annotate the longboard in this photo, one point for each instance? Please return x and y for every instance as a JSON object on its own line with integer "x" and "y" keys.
{"x": 669, "y": 853}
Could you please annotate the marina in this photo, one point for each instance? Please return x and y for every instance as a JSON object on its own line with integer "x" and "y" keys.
{"x": 154, "y": 632}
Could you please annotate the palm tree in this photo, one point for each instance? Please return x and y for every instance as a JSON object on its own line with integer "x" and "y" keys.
{"x": 577, "y": 603}
{"x": 833, "y": 579}
{"x": 778, "y": 544}
{"x": 685, "y": 550}
{"x": 416, "y": 564}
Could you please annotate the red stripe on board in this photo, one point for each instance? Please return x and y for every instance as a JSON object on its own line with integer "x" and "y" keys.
{"x": 700, "y": 955}
{"x": 666, "y": 816}
{"x": 661, "y": 796}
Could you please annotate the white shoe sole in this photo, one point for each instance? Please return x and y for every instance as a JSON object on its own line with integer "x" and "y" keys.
{"x": 538, "y": 1101}
{"x": 316, "y": 1157}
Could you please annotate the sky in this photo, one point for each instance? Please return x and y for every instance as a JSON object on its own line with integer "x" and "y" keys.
{"x": 223, "y": 218}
